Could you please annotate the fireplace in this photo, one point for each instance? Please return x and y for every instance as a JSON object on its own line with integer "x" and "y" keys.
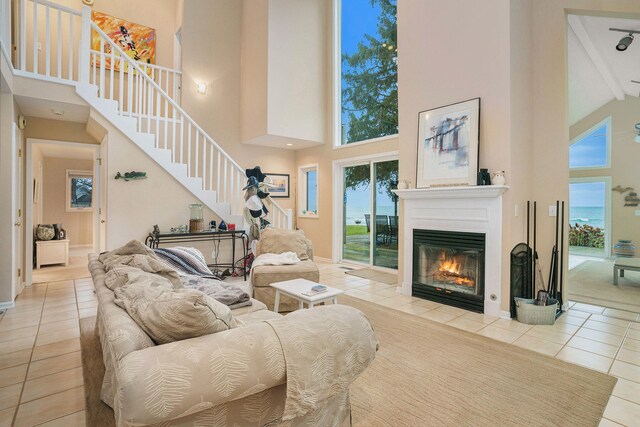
{"x": 448, "y": 267}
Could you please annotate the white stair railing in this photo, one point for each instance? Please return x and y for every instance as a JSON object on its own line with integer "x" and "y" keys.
{"x": 141, "y": 98}
{"x": 50, "y": 36}
{"x": 5, "y": 27}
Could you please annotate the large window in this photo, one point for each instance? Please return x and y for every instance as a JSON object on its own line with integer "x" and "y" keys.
{"x": 368, "y": 70}
{"x": 591, "y": 150}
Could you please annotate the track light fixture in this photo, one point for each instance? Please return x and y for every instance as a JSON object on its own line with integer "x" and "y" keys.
{"x": 625, "y": 41}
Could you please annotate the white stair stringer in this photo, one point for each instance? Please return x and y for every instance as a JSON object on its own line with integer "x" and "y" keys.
{"x": 163, "y": 157}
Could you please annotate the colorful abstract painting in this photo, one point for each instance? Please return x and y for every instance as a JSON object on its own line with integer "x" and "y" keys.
{"x": 137, "y": 41}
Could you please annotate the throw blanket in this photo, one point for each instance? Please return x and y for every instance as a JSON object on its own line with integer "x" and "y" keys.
{"x": 322, "y": 360}
{"x": 185, "y": 260}
{"x": 285, "y": 258}
{"x": 229, "y": 295}
{"x": 136, "y": 254}
{"x": 195, "y": 274}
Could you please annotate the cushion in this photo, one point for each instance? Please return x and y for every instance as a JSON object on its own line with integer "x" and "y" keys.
{"x": 168, "y": 315}
{"x": 184, "y": 260}
{"x": 264, "y": 275}
{"x": 277, "y": 241}
{"x": 124, "y": 274}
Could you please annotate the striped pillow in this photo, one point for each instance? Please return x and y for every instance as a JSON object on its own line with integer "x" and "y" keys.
{"x": 185, "y": 260}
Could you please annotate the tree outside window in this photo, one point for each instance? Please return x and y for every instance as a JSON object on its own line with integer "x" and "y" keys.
{"x": 369, "y": 77}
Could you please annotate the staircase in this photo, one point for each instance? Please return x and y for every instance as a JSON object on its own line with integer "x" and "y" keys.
{"x": 140, "y": 100}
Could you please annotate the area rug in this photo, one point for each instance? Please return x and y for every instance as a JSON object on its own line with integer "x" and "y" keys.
{"x": 378, "y": 276}
{"x": 97, "y": 412}
{"x": 592, "y": 282}
{"x": 429, "y": 374}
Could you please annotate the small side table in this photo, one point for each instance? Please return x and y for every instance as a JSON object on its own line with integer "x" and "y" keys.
{"x": 622, "y": 264}
{"x": 52, "y": 252}
{"x": 295, "y": 288}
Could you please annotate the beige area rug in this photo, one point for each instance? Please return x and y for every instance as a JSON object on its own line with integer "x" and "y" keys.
{"x": 592, "y": 282}
{"x": 97, "y": 412}
{"x": 76, "y": 269}
{"x": 429, "y": 374}
{"x": 371, "y": 274}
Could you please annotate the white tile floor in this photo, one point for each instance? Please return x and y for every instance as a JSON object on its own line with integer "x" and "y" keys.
{"x": 41, "y": 374}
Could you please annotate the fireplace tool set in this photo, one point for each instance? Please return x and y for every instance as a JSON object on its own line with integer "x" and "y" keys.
{"x": 527, "y": 281}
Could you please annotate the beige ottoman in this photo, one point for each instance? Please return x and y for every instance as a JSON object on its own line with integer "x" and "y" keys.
{"x": 264, "y": 275}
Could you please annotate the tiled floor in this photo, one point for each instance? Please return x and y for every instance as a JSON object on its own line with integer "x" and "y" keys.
{"x": 41, "y": 374}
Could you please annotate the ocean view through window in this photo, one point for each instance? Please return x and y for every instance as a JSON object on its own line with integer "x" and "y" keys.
{"x": 368, "y": 70}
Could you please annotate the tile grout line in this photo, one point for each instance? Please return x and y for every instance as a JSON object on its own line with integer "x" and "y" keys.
{"x": 48, "y": 421}
{"x": 26, "y": 374}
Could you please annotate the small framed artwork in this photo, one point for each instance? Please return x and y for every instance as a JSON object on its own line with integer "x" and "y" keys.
{"x": 448, "y": 145}
{"x": 280, "y": 185}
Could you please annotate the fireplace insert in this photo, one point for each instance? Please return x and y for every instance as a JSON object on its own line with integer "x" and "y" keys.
{"x": 448, "y": 267}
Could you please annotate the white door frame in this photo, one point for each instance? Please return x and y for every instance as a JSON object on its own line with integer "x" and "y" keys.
{"x": 607, "y": 207}
{"x": 17, "y": 215}
{"x": 337, "y": 192}
{"x": 28, "y": 223}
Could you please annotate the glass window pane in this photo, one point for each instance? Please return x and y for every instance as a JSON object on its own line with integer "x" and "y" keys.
{"x": 357, "y": 214}
{"x": 385, "y": 249}
{"x": 587, "y": 203}
{"x": 590, "y": 151}
{"x": 312, "y": 191}
{"x": 81, "y": 192}
{"x": 369, "y": 73}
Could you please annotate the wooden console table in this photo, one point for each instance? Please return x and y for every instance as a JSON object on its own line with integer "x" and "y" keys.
{"x": 52, "y": 252}
{"x": 154, "y": 240}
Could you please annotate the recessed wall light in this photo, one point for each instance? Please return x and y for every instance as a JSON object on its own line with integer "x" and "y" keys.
{"x": 201, "y": 87}
{"x": 57, "y": 112}
{"x": 289, "y": 144}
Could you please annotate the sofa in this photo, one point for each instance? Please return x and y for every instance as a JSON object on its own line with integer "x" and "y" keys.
{"x": 239, "y": 376}
{"x": 279, "y": 241}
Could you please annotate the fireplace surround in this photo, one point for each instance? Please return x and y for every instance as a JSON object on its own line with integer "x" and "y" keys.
{"x": 475, "y": 210}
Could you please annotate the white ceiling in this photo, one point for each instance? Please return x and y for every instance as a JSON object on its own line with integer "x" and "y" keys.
{"x": 598, "y": 73}
{"x": 65, "y": 151}
{"x": 42, "y": 108}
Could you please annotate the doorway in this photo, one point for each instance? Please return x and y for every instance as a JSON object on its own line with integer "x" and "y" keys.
{"x": 369, "y": 212}
{"x": 64, "y": 189}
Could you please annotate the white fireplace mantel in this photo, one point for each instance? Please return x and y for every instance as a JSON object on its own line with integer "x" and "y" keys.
{"x": 474, "y": 209}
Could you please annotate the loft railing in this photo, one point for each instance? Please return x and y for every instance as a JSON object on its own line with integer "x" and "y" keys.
{"x": 145, "y": 92}
{"x": 50, "y": 36}
{"x": 5, "y": 28}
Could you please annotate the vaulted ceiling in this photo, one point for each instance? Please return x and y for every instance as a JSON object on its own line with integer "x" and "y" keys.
{"x": 598, "y": 73}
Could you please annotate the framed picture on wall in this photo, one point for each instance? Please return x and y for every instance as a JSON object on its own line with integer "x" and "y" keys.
{"x": 448, "y": 145}
{"x": 280, "y": 184}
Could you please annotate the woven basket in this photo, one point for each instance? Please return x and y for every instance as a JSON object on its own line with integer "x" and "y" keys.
{"x": 531, "y": 314}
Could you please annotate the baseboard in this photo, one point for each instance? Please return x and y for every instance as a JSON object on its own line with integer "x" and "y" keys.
{"x": 323, "y": 259}
{"x": 505, "y": 314}
{"x": 80, "y": 246}
{"x": 7, "y": 305}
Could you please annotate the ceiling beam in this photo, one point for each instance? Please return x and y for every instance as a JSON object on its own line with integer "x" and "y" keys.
{"x": 577, "y": 25}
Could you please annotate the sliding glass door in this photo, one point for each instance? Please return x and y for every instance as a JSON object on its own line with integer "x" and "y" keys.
{"x": 370, "y": 214}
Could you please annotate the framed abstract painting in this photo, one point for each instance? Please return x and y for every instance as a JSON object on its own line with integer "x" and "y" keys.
{"x": 137, "y": 41}
{"x": 448, "y": 145}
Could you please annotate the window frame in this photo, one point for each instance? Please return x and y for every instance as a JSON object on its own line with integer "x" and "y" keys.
{"x": 70, "y": 174}
{"x": 607, "y": 165}
{"x": 302, "y": 191}
{"x": 337, "y": 85}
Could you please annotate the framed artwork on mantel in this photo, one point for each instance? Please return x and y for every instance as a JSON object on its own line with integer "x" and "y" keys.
{"x": 448, "y": 140}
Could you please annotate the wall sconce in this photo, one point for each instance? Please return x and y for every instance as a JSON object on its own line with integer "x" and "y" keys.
{"x": 201, "y": 87}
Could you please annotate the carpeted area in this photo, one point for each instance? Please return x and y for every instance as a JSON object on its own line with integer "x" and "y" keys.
{"x": 378, "y": 276}
{"x": 426, "y": 373}
{"x": 591, "y": 282}
{"x": 97, "y": 412}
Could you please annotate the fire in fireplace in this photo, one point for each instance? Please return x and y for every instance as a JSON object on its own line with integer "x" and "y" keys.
{"x": 449, "y": 268}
